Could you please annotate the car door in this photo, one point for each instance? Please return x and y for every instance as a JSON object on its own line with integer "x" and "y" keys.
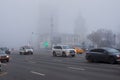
{"x": 96, "y": 54}
{"x": 105, "y": 55}
{"x": 102, "y": 55}
{"x": 21, "y": 49}
{"x": 58, "y": 50}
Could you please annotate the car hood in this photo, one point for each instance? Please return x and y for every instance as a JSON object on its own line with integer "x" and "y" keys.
{"x": 69, "y": 49}
{"x": 3, "y": 54}
{"x": 29, "y": 49}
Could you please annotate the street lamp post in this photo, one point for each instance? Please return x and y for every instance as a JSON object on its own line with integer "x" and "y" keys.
{"x": 51, "y": 34}
{"x": 34, "y": 38}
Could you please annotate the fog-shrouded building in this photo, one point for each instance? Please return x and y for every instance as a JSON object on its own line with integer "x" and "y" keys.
{"x": 49, "y": 32}
{"x": 80, "y": 28}
{"x": 63, "y": 39}
{"x": 48, "y": 20}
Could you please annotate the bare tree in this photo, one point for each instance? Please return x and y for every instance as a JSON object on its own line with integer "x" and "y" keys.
{"x": 118, "y": 40}
{"x": 102, "y": 38}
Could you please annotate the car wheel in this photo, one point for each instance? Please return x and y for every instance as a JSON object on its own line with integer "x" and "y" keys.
{"x": 25, "y": 53}
{"x": 54, "y": 54}
{"x": 90, "y": 59}
{"x": 31, "y": 53}
{"x": 7, "y": 60}
{"x": 63, "y": 54}
{"x": 20, "y": 53}
{"x": 2, "y": 61}
{"x": 112, "y": 60}
{"x": 73, "y": 55}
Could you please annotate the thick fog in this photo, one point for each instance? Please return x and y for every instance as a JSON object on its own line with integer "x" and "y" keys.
{"x": 19, "y": 18}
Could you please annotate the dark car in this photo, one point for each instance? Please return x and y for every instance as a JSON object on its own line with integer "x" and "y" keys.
{"x": 3, "y": 56}
{"x": 109, "y": 55}
{"x": 7, "y": 51}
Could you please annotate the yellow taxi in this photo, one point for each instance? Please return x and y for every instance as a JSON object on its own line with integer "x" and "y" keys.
{"x": 79, "y": 50}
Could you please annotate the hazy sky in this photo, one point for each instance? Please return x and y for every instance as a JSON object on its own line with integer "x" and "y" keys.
{"x": 19, "y": 18}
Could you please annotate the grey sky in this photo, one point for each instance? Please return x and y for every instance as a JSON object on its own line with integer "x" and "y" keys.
{"x": 19, "y": 18}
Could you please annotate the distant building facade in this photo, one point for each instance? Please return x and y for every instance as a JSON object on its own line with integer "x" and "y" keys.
{"x": 80, "y": 28}
{"x": 66, "y": 39}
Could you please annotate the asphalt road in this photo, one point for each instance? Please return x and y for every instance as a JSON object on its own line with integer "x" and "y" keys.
{"x": 43, "y": 66}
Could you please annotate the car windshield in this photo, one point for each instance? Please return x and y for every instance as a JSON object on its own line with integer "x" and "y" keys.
{"x": 4, "y": 49}
{"x": 67, "y": 47}
{"x": 27, "y": 47}
{"x": 2, "y": 52}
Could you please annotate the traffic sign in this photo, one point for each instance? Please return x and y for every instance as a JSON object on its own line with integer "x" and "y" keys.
{"x": 46, "y": 44}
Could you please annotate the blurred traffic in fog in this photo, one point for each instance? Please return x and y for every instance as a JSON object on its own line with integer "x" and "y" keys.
{"x": 40, "y": 22}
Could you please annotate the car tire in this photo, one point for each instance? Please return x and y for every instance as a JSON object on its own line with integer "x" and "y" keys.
{"x": 73, "y": 55}
{"x": 31, "y": 53}
{"x": 63, "y": 54}
{"x": 7, "y": 60}
{"x": 54, "y": 54}
{"x": 90, "y": 59}
{"x": 25, "y": 53}
{"x": 112, "y": 60}
{"x": 20, "y": 53}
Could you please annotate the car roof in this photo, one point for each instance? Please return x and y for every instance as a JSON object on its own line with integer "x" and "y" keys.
{"x": 105, "y": 48}
{"x": 60, "y": 45}
{"x": 26, "y": 47}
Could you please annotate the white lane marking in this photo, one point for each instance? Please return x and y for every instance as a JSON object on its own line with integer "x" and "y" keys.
{"x": 37, "y": 73}
{"x": 81, "y": 69}
{"x": 4, "y": 64}
{"x": 31, "y": 62}
{"x": 57, "y": 60}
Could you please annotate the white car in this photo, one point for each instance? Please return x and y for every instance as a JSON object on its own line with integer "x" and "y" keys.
{"x": 26, "y": 50}
{"x": 63, "y": 50}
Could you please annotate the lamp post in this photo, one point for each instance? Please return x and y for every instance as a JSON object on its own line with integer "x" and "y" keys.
{"x": 34, "y": 39}
{"x": 114, "y": 40}
{"x": 51, "y": 32}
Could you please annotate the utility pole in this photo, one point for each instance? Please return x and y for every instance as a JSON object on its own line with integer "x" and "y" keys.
{"x": 114, "y": 40}
{"x": 51, "y": 31}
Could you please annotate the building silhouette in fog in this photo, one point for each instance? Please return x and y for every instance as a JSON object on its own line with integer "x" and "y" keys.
{"x": 49, "y": 32}
{"x": 80, "y": 28}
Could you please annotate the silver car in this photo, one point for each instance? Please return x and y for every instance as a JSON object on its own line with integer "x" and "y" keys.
{"x": 26, "y": 50}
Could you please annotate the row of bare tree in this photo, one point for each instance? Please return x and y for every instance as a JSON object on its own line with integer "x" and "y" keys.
{"x": 104, "y": 38}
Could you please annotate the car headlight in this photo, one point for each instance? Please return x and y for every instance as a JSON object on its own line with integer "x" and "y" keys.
{"x": 118, "y": 55}
{"x": 7, "y": 56}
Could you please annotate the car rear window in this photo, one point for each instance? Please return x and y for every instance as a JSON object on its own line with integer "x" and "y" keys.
{"x": 113, "y": 51}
